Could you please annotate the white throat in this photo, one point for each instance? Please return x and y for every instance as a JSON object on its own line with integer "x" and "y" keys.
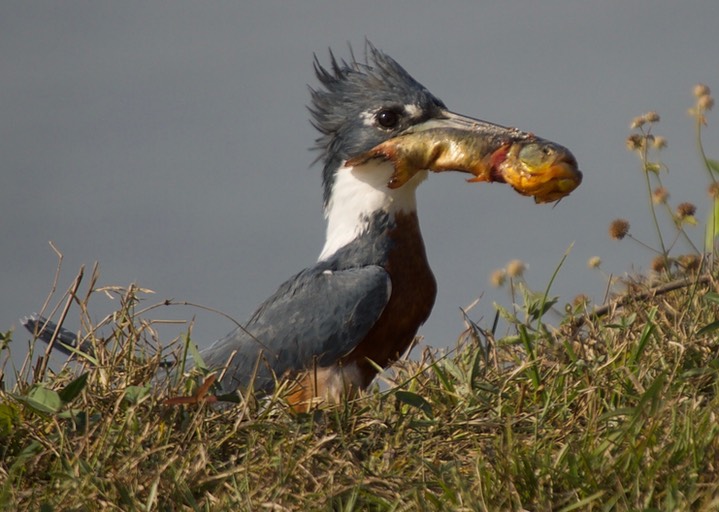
{"x": 357, "y": 193}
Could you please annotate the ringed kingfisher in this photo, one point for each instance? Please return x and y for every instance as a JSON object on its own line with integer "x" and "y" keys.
{"x": 331, "y": 327}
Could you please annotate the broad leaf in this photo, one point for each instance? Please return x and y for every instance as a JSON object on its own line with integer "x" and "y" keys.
{"x": 41, "y": 400}
{"x": 415, "y": 400}
{"x": 133, "y": 394}
{"x": 708, "y": 328}
{"x": 70, "y": 392}
{"x": 712, "y": 227}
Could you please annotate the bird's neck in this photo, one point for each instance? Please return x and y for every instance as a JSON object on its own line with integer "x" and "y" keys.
{"x": 357, "y": 194}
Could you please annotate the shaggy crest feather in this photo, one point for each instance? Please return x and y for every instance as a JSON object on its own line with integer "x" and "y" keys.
{"x": 347, "y": 87}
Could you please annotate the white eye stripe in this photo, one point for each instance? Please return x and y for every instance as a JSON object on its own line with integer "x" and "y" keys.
{"x": 413, "y": 111}
{"x": 369, "y": 117}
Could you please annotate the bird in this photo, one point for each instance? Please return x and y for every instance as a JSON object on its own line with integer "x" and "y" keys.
{"x": 328, "y": 330}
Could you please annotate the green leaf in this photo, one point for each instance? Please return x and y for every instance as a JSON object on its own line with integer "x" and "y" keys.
{"x": 8, "y": 417}
{"x": 509, "y": 340}
{"x": 653, "y": 167}
{"x": 443, "y": 378}
{"x": 617, "y": 413}
{"x": 536, "y": 304}
{"x": 46, "y": 398}
{"x": 415, "y": 400}
{"x": 527, "y": 340}
{"x": 453, "y": 370}
{"x": 647, "y": 332}
{"x": 70, "y": 392}
{"x": 713, "y": 165}
{"x": 652, "y": 397}
{"x": 711, "y": 297}
{"x": 537, "y": 308}
{"x": 708, "y": 328}
{"x": 5, "y": 339}
{"x": 581, "y": 504}
{"x": 134, "y": 394}
{"x": 69, "y": 414}
{"x": 199, "y": 362}
{"x": 41, "y": 400}
{"x": 478, "y": 358}
{"x": 712, "y": 227}
{"x": 625, "y": 322}
{"x": 28, "y": 452}
{"x": 505, "y": 313}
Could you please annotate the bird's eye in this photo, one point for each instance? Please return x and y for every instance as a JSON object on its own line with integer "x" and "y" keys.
{"x": 387, "y": 118}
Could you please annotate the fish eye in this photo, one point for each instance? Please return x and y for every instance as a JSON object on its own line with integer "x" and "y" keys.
{"x": 387, "y": 118}
{"x": 532, "y": 154}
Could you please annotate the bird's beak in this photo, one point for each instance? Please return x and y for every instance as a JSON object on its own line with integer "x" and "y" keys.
{"x": 490, "y": 152}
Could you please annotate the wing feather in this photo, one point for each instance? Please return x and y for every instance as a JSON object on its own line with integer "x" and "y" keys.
{"x": 316, "y": 317}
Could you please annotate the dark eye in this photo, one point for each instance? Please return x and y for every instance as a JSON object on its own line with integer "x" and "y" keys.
{"x": 387, "y": 118}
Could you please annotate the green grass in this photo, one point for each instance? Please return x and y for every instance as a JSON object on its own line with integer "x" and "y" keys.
{"x": 613, "y": 409}
{"x": 619, "y": 414}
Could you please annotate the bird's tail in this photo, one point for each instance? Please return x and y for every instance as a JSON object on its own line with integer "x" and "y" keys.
{"x": 44, "y": 330}
{"x": 66, "y": 341}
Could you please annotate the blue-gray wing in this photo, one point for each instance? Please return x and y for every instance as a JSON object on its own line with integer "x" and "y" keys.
{"x": 44, "y": 329}
{"x": 315, "y": 318}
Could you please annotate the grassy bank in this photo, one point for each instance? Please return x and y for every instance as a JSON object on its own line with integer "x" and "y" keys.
{"x": 608, "y": 409}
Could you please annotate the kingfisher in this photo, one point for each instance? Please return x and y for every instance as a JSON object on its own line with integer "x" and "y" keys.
{"x": 328, "y": 330}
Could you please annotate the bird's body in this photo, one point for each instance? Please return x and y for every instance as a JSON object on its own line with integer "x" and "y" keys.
{"x": 329, "y": 328}
{"x": 358, "y": 308}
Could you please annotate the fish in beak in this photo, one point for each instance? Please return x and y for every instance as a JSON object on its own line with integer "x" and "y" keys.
{"x": 532, "y": 166}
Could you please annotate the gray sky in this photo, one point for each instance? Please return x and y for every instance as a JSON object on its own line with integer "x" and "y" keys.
{"x": 168, "y": 141}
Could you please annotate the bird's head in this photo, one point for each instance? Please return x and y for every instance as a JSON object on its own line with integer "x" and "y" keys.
{"x": 362, "y": 105}
{"x": 375, "y": 109}
{"x": 381, "y": 131}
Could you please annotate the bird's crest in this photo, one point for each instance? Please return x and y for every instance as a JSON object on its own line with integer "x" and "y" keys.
{"x": 345, "y": 83}
{"x": 347, "y": 90}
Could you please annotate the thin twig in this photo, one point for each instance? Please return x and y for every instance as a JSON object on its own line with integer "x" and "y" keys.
{"x": 632, "y": 297}
{"x": 71, "y": 295}
{"x": 55, "y": 280}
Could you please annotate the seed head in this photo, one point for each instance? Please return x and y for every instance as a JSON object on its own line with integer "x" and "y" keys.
{"x": 634, "y": 142}
{"x": 618, "y": 229}
{"x": 660, "y": 264}
{"x": 689, "y": 262}
{"x": 580, "y": 300}
{"x": 498, "y": 278}
{"x": 685, "y": 210}
{"x": 660, "y": 195}
{"x": 659, "y": 142}
{"x": 637, "y": 122}
{"x": 594, "y": 262}
{"x": 701, "y": 90}
{"x": 516, "y": 268}
{"x": 651, "y": 117}
{"x": 705, "y": 103}
{"x": 713, "y": 190}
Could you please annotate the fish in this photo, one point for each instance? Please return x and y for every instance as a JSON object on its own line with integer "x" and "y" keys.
{"x": 531, "y": 165}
